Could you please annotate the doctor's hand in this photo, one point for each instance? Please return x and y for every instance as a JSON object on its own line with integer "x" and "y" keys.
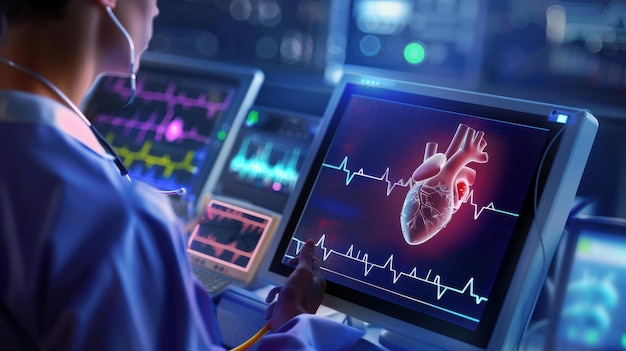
{"x": 303, "y": 290}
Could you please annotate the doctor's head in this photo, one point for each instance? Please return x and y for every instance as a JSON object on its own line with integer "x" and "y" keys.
{"x": 86, "y": 27}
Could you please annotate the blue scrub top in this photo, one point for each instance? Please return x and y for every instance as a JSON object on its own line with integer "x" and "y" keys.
{"x": 91, "y": 261}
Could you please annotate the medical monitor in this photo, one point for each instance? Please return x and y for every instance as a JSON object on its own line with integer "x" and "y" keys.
{"x": 589, "y": 302}
{"x": 231, "y": 237}
{"x": 264, "y": 163}
{"x": 183, "y": 113}
{"x": 435, "y": 212}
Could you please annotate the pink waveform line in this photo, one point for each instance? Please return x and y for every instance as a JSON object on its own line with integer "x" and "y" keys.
{"x": 220, "y": 248}
{"x": 172, "y": 98}
{"x": 230, "y": 214}
{"x": 167, "y": 127}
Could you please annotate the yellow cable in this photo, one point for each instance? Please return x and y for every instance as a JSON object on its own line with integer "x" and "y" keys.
{"x": 248, "y": 343}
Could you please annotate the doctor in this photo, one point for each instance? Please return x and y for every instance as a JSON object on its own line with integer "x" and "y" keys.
{"x": 90, "y": 260}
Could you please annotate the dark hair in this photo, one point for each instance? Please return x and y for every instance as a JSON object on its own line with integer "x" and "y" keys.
{"x": 15, "y": 10}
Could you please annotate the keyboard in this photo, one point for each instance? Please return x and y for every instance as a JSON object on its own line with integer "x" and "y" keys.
{"x": 212, "y": 282}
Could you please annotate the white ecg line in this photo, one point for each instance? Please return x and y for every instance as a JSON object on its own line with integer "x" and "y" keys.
{"x": 468, "y": 289}
{"x": 343, "y": 166}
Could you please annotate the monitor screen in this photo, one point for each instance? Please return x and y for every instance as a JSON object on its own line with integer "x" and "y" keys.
{"x": 183, "y": 112}
{"x": 429, "y": 207}
{"x": 589, "y": 298}
{"x": 264, "y": 164}
{"x": 230, "y": 238}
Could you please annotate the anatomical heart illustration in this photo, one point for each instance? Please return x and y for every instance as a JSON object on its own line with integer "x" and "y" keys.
{"x": 441, "y": 184}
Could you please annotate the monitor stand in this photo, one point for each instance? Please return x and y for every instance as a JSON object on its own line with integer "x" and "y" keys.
{"x": 398, "y": 342}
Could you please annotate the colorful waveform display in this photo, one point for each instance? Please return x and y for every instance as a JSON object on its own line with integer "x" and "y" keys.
{"x": 265, "y": 161}
{"x": 267, "y": 164}
{"x": 173, "y": 129}
{"x": 229, "y": 233}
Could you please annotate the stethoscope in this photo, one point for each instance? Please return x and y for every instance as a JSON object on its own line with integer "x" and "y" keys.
{"x": 133, "y": 87}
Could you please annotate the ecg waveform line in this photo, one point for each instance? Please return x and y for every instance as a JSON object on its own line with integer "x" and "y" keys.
{"x": 343, "y": 167}
{"x": 143, "y": 155}
{"x": 468, "y": 288}
{"x": 489, "y": 207}
{"x": 258, "y": 167}
{"x": 170, "y": 96}
{"x": 171, "y": 128}
{"x": 215, "y": 213}
{"x": 230, "y": 233}
{"x": 249, "y": 229}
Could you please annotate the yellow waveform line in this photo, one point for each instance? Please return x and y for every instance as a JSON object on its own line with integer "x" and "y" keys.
{"x": 143, "y": 155}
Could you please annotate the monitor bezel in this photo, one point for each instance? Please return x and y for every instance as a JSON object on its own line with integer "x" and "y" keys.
{"x": 520, "y": 295}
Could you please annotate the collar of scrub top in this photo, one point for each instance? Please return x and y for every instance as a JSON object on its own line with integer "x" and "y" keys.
{"x": 23, "y": 107}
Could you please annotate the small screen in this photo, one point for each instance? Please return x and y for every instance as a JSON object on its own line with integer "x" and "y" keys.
{"x": 264, "y": 163}
{"x": 171, "y": 135}
{"x": 229, "y": 234}
{"x": 591, "y": 315}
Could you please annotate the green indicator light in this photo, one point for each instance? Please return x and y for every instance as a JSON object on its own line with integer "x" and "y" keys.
{"x": 221, "y": 135}
{"x": 414, "y": 53}
{"x": 584, "y": 245}
{"x": 624, "y": 341}
{"x": 253, "y": 117}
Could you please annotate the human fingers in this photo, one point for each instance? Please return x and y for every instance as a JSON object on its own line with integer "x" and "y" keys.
{"x": 272, "y": 294}
{"x": 315, "y": 264}
{"x": 306, "y": 255}
{"x": 269, "y": 312}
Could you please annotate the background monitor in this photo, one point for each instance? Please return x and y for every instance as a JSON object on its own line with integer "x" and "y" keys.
{"x": 435, "y": 212}
{"x": 433, "y": 42}
{"x": 589, "y": 304}
{"x": 183, "y": 113}
{"x": 264, "y": 163}
{"x": 282, "y": 37}
{"x": 230, "y": 239}
{"x": 569, "y": 51}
